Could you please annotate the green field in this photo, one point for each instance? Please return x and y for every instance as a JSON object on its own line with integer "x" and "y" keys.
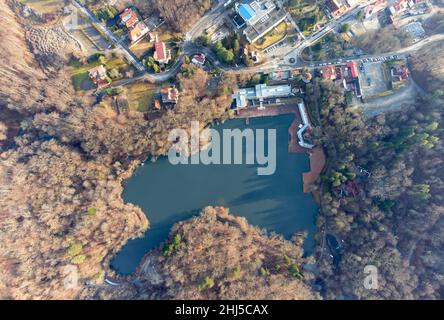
{"x": 79, "y": 72}
{"x": 141, "y": 96}
{"x": 44, "y": 6}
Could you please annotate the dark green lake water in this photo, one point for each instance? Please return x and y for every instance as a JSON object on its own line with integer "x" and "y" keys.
{"x": 168, "y": 194}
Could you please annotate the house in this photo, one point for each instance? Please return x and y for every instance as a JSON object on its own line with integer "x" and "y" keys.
{"x": 328, "y": 72}
{"x": 346, "y": 75}
{"x": 280, "y": 75}
{"x": 352, "y": 69}
{"x": 307, "y": 77}
{"x": 137, "y": 32}
{"x": 400, "y": 73}
{"x": 169, "y": 95}
{"x": 372, "y": 9}
{"x": 336, "y": 7}
{"x": 396, "y": 7}
{"x": 129, "y": 18}
{"x": 99, "y": 76}
{"x": 161, "y": 53}
{"x": 260, "y": 93}
{"x": 259, "y": 17}
{"x": 198, "y": 59}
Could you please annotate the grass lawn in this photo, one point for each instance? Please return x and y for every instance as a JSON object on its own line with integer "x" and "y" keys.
{"x": 142, "y": 48}
{"x": 275, "y": 35}
{"x": 79, "y": 73}
{"x": 307, "y": 15}
{"x": 141, "y": 96}
{"x": 44, "y": 6}
{"x": 166, "y": 35}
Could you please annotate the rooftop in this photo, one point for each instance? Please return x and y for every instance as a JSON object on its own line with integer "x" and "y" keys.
{"x": 138, "y": 31}
{"x": 161, "y": 54}
{"x": 169, "y": 95}
{"x": 272, "y": 19}
{"x": 98, "y": 72}
{"x": 129, "y": 17}
{"x": 246, "y": 12}
{"x": 260, "y": 92}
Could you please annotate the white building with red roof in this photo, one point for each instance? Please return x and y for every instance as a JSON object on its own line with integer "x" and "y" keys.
{"x": 199, "y": 59}
{"x": 129, "y": 18}
{"x": 137, "y": 32}
{"x": 161, "y": 53}
{"x": 98, "y": 76}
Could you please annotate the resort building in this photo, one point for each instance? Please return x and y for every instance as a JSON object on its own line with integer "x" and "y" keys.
{"x": 258, "y": 17}
{"x": 260, "y": 93}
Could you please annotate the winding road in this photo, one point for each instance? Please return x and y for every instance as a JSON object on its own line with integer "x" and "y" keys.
{"x": 188, "y": 47}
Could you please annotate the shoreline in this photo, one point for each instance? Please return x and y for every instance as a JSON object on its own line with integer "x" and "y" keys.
{"x": 316, "y": 156}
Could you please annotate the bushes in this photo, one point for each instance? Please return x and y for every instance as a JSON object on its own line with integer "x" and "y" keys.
{"x": 106, "y": 13}
{"x": 172, "y": 246}
{"x": 206, "y": 283}
{"x": 75, "y": 249}
{"x": 203, "y": 40}
{"x": 223, "y": 54}
{"x": 75, "y": 253}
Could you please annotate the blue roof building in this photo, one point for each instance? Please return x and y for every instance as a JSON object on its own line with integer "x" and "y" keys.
{"x": 260, "y": 16}
{"x": 246, "y": 12}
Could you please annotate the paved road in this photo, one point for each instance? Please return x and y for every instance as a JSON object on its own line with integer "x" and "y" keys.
{"x": 206, "y": 21}
{"x": 277, "y": 64}
{"x": 120, "y": 46}
{"x": 312, "y": 39}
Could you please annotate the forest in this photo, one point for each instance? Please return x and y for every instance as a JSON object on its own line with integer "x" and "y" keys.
{"x": 182, "y": 14}
{"x": 219, "y": 256}
{"x": 62, "y": 176}
{"x": 384, "y": 40}
{"x": 393, "y": 218}
{"x": 62, "y": 170}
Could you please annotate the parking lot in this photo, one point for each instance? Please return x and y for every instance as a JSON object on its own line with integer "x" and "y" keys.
{"x": 374, "y": 79}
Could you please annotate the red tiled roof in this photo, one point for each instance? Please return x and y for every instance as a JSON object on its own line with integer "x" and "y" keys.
{"x": 328, "y": 73}
{"x": 353, "y": 69}
{"x": 200, "y": 58}
{"x": 138, "y": 31}
{"x": 129, "y": 18}
{"x": 169, "y": 95}
{"x": 160, "y": 50}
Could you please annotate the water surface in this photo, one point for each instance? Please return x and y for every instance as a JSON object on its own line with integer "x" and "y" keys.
{"x": 168, "y": 194}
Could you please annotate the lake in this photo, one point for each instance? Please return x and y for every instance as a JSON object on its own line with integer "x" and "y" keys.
{"x": 170, "y": 193}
